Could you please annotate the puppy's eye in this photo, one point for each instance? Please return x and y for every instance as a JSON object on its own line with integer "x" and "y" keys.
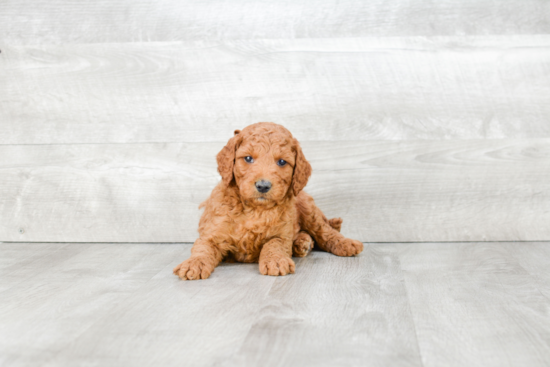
{"x": 249, "y": 159}
{"x": 281, "y": 162}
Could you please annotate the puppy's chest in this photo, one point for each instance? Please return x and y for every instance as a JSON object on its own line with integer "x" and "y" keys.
{"x": 251, "y": 232}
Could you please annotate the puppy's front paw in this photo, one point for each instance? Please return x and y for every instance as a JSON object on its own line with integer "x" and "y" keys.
{"x": 277, "y": 266}
{"x": 347, "y": 247}
{"x": 194, "y": 268}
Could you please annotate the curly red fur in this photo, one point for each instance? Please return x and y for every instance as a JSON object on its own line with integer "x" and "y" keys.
{"x": 243, "y": 224}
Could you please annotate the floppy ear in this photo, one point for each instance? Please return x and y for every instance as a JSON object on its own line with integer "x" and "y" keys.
{"x": 226, "y": 159}
{"x": 302, "y": 170}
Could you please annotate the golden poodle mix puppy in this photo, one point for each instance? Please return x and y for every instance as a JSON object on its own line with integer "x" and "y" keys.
{"x": 258, "y": 212}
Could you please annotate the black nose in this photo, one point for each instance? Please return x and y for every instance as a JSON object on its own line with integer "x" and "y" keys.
{"x": 263, "y": 186}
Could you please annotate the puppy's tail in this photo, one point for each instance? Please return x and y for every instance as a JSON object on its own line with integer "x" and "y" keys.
{"x": 336, "y": 223}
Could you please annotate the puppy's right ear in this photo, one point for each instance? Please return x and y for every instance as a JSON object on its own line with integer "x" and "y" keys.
{"x": 226, "y": 159}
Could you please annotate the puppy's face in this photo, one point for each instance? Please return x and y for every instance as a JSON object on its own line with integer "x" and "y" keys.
{"x": 265, "y": 162}
{"x": 264, "y": 166}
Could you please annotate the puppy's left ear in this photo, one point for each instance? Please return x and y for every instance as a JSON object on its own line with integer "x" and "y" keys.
{"x": 302, "y": 170}
{"x": 226, "y": 159}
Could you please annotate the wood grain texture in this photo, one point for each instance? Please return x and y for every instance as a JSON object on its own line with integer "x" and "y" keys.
{"x": 534, "y": 257}
{"x": 422, "y": 304}
{"x": 473, "y": 304}
{"x": 169, "y": 322}
{"x": 58, "y": 297}
{"x": 66, "y": 21}
{"x": 462, "y": 190}
{"x": 16, "y": 258}
{"x": 335, "y": 312}
{"x": 321, "y": 89}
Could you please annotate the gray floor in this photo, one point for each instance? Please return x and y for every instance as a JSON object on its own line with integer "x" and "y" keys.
{"x": 415, "y": 304}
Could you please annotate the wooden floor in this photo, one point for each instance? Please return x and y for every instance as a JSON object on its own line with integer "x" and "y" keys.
{"x": 415, "y": 304}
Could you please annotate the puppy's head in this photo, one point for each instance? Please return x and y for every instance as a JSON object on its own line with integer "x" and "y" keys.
{"x": 265, "y": 162}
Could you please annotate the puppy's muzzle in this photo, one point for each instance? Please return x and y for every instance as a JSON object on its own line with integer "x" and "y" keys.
{"x": 263, "y": 186}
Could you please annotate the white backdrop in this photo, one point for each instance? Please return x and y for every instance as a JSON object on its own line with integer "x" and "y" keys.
{"x": 423, "y": 121}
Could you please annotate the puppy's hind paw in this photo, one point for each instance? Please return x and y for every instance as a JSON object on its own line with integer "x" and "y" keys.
{"x": 303, "y": 244}
{"x": 346, "y": 247}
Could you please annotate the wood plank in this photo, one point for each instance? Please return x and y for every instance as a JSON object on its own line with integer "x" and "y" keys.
{"x": 104, "y": 193}
{"x": 462, "y": 190}
{"x": 17, "y": 258}
{"x": 41, "y": 22}
{"x": 321, "y": 89}
{"x": 478, "y": 190}
{"x": 473, "y": 304}
{"x": 55, "y": 300}
{"x": 170, "y": 322}
{"x": 335, "y": 312}
{"x": 534, "y": 257}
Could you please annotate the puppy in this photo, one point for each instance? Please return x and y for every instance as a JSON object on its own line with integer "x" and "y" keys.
{"x": 258, "y": 212}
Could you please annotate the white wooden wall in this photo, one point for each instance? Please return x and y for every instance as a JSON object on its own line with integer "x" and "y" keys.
{"x": 423, "y": 120}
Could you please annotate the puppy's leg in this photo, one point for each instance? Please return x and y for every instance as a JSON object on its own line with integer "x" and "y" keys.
{"x": 313, "y": 221}
{"x": 302, "y": 245}
{"x": 205, "y": 256}
{"x": 336, "y": 223}
{"x": 275, "y": 258}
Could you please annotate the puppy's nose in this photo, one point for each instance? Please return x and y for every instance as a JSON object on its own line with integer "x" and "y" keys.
{"x": 263, "y": 186}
